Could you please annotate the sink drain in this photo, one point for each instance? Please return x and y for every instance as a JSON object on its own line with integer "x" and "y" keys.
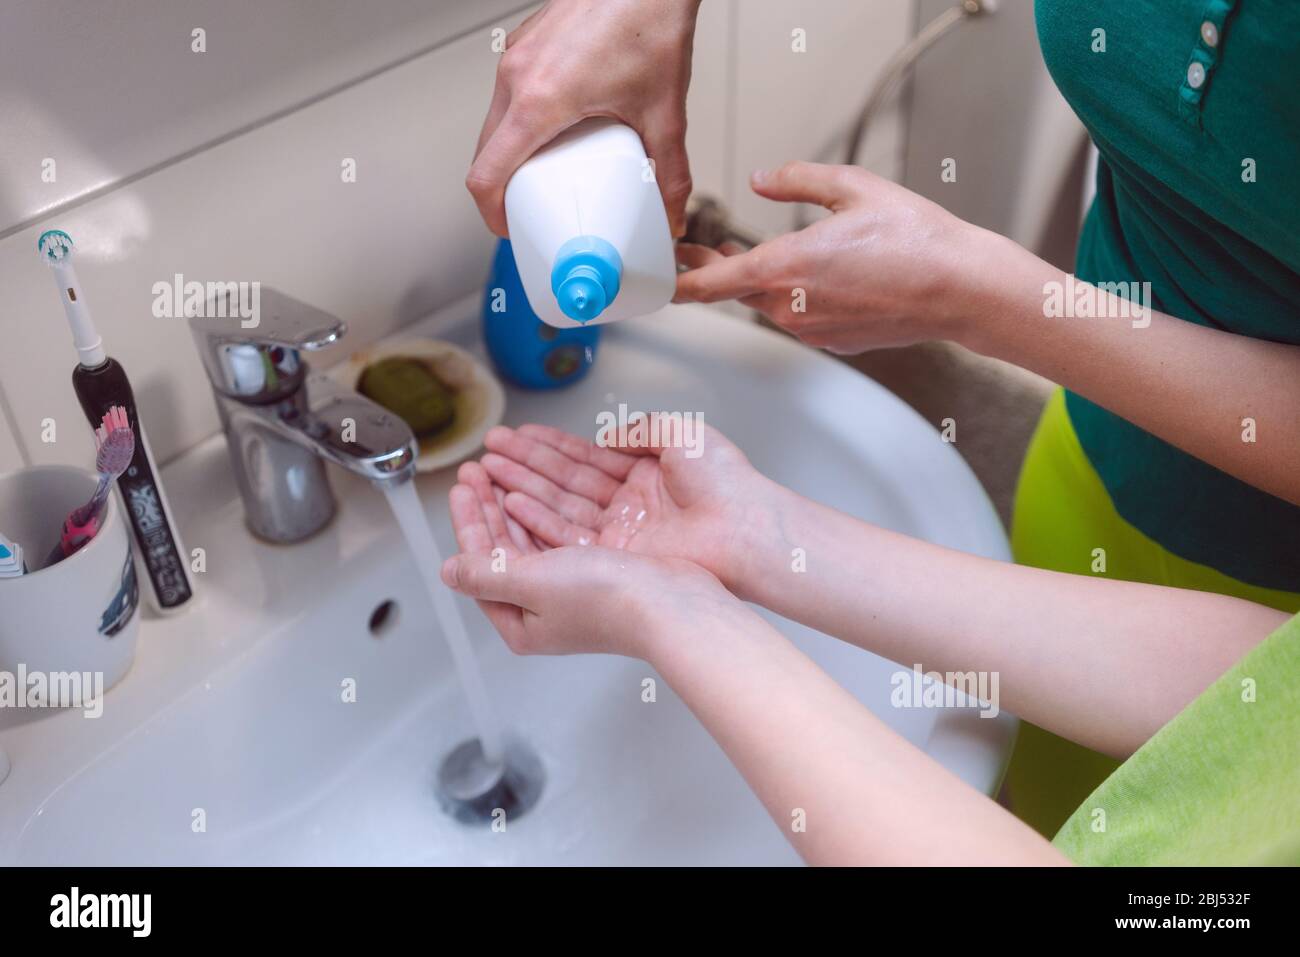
{"x": 474, "y": 791}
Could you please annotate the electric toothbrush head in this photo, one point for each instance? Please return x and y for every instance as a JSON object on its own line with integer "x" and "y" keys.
{"x": 55, "y": 247}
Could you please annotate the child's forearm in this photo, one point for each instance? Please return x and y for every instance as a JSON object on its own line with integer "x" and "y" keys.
{"x": 841, "y": 785}
{"x": 1102, "y": 662}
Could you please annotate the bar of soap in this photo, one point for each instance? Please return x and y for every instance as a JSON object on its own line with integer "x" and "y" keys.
{"x": 408, "y": 388}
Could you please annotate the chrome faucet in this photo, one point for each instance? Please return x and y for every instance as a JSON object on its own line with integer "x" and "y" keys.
{"x": 282, "y": 423}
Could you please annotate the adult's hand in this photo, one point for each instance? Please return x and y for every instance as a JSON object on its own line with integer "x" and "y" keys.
{"x": 627, "y": 59}
{"x": 886, "y": 268}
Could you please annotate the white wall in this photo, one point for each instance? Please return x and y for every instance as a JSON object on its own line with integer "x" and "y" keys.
{"x": 982, "y": 96}
{"x": 796, "y": 105}
{"x": 111, "y": 88}
{"x": 266, "y": 201}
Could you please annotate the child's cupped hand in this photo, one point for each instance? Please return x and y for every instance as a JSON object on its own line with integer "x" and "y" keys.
{"x": 556, "y": 489}
{"x": 571, "y": 599}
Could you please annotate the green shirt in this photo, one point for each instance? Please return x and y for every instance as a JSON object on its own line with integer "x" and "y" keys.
{"x": 1217, "y": 785}
{"x": 1195, "y": 109}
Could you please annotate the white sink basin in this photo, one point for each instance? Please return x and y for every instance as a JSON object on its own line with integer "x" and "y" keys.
{"x": 234, "y": 709}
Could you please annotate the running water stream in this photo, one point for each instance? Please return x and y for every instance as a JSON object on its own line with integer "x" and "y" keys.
{"x": 409, "y": 513}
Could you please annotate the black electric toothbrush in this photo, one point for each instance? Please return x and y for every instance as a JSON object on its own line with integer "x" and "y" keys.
{"x": 100, "y": 382}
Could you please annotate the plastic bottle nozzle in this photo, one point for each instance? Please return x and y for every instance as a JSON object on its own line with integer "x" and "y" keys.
{"x": 586, "y": 277}
{"x": 581, "y": 295}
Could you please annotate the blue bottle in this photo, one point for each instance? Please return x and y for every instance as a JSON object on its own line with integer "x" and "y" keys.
{"x": 525, "y": 350}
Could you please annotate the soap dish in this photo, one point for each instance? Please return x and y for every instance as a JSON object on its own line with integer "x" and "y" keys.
{"x": 479, "y": 400}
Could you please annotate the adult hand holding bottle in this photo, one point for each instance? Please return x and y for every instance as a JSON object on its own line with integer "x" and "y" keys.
{"x": 627, "y": 59}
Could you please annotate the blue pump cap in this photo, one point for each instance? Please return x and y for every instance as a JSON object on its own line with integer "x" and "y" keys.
{"x": 585, "y": 278}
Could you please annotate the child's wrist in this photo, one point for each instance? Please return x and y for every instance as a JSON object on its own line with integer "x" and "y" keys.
{"x": 672, "y": 642}
{"x": 764, "y": 549}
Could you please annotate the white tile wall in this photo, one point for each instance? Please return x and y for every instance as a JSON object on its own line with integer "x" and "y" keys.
{"x": 983, "y": 97}
{"x": 110, "y": 88}
{"x": 793, "y": 105}
{"x": 10, "y": 455}
{"x": 709, "y": 125}
{"x": 270, "y": 206}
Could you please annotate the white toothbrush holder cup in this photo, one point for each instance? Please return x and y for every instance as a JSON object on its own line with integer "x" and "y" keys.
{"x": 79, "y": 615}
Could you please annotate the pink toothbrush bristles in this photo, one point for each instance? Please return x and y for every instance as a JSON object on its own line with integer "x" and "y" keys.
{"x": 115, "y": 418}
{"x": 114, "y": 443}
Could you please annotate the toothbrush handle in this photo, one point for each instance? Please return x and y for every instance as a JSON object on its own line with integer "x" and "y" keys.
{"x": 73, "y": 537}
{"x": 91, "y": 509}
{"x": 81, "y": 524}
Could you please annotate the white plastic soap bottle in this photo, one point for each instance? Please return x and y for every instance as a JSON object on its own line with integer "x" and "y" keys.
{"x": 588, "y": 228}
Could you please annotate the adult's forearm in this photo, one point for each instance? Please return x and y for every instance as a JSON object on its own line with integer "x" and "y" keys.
{"x": 1190, "y": 385}
{"x": 842, "y": 786}
{"x": 1102, "y": 662}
